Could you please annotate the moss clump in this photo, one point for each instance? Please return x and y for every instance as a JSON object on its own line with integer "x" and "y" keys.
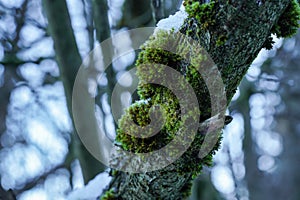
{"x": 221, "y": 40}
{"x": 186, "y": 191}
{"x": 204, "y": 13}
{"x": 152, "y": 95}
{"x": 109, "y": 195}
{"x": 288, "y": 22}
{"x": 287, "y": 25}
{"x": 139, "y": 113}
{"x": 174, "y": 51}
{"x": 187, "y": 65}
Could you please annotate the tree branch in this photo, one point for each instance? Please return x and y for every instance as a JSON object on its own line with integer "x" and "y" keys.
{"x": 232, "y": 32}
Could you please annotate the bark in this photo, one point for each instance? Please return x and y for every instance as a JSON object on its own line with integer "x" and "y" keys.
{"x": 103, "y": 33}
{"x": 162, "y": 10}
{"x": 148, "y": 13}
{"x": 233, "y": 37}
{"x": 69, "y": 61}
{"x": 67, "y": 53}
{"x": 136, "y": 14}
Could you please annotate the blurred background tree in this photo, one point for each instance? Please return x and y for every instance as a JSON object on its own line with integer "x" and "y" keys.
{"x": 42, "y": 157}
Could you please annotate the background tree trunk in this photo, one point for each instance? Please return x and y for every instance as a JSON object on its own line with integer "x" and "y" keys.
{"x": 69, "y": 61}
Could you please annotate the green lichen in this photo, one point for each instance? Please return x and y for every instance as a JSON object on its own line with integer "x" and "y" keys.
{"x": 288, "y": 22}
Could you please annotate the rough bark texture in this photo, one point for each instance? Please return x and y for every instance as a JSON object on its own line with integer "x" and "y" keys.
{"x": 233, "y": 33}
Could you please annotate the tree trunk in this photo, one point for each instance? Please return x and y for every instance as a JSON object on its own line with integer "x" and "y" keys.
{"x": 232, "y": 32}
{"x": 69, "y": 61}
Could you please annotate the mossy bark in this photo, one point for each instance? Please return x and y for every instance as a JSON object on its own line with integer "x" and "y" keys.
{"x": 233, "y": 33}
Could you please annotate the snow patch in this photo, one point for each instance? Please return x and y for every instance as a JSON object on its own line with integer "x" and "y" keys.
{"x": 173, "y": 21}
{"x": 93, "y": 189}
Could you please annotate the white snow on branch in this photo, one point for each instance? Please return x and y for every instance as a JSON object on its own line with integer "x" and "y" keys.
{"x": 93, "y": 189}
{"x": 173, "y": 21}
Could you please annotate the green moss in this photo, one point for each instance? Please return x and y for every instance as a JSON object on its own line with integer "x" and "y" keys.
{"x": 152, "y": 95}
{"x": 287, "y": 25}
{"x": 203, "y": 13}
{"x": 140, "y": 114}
{"x": 186, "y": 191}
{"x": 221, "y": 40}
{"x": 109, "y": 195}
{"x": 113, "y": 172}
{"x": 153, "y": 52}
{"x": 288, "y": 22}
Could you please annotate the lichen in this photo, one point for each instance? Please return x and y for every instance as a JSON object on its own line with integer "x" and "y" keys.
{"x": 190, "y": 161}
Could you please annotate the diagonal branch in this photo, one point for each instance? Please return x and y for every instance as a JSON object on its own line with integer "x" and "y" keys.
{"x": 233, "y": 32}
